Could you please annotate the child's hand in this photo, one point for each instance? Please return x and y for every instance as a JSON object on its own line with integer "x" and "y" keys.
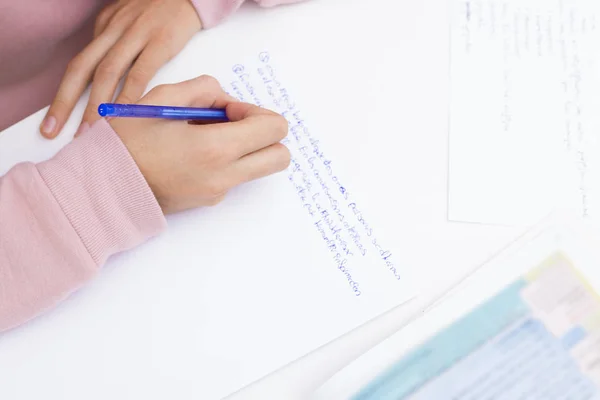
{"x": 141, "y": 34}
{"x": 189, "y": 165}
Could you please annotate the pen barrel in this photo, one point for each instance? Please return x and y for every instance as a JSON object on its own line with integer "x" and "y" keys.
{"x": 167, "y": 112}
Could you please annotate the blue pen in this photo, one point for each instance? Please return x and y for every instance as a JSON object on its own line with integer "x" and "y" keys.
{"x": 167, "y": 112}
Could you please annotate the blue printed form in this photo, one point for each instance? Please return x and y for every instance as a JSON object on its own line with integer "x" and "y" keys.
{"x": 537, "y": 339}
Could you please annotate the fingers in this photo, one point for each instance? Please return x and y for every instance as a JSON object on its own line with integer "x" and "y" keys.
{"x": 104, "y": 18}
{"x": 252, "y": 128}
{"x": 112, "y": 68}
{"x": 148, "y": 63}
{"x": 270, "y": 160}
{"x": 78, "y": 74}
{"x": 265, "y": 162}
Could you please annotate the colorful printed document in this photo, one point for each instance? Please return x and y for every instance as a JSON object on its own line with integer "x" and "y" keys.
{"x": 539, "y": 338}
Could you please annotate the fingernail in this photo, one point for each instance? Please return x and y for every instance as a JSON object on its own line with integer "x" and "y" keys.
{"x": 48, "y": 125}
{"x": 82, "y": 128}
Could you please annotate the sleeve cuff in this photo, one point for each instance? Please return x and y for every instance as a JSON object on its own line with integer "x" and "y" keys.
{"x": 212, "y": 12}
{"x": 274, "y": 3}
{"x": 103, "y": 193}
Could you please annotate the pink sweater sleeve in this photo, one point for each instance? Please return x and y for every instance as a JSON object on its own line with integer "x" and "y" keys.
{"x": 212, "y": 12}
{"x": 61, "y": 219}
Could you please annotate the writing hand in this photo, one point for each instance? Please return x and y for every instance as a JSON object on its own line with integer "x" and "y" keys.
{"x": 189, "y": 165}
{"x": 141, "y": 34}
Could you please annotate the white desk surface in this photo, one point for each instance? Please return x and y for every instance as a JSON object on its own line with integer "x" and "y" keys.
{"x": 445, "y": 251}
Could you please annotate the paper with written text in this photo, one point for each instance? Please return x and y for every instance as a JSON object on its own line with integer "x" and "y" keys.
{"x": 525, "y": 90}
{"x": 230, "y": 293}
{"x": 306, "y": 238}
{"x": 324, "y": 196}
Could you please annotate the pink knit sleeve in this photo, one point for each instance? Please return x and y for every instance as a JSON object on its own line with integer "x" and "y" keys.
{"x": 61, "y": 219}
{"x": 212, "y": 12}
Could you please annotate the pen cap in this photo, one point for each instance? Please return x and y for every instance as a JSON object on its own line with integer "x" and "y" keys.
{"x": 106, "y": 110}
{"x": 132, "y": 110}
{"x": 153, "y": 111}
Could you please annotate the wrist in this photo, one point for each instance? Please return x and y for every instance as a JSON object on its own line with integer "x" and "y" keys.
{"x": 103, "y": 193}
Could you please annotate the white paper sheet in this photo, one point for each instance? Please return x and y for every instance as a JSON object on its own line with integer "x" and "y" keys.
{"x": 231, "y": 293}
{"x": 524, "y": 121}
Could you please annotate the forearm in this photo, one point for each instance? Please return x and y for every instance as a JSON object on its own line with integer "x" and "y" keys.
{"x": 60, "y": 220}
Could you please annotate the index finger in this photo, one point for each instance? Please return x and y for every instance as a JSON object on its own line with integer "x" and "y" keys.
{"x": 203, "y": 91}
{"x": 252, "y": 128}
{"x": 74, "y": 82}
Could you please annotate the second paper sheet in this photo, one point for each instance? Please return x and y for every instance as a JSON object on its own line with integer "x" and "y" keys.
{"x": 524, "y": 119}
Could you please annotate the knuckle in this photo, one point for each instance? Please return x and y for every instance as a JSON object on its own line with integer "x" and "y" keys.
{"x": 167, "y": 38}
{"x": 209, "y": 81}
{"x": 160, "y": 91}
{"x": 138, "y": 77}
{"x": 126, "y": 98}
{"x": 107, "y": 69}
{"x": 60, "y": 103}
{"x": 134, "y": 86}
{"x": 120, "y": 18}
{"x": 76, "y": 64}
{"x": 226, "y": 154}
{"x": 214, "y": 188}
{"x": 215, "y": 152}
